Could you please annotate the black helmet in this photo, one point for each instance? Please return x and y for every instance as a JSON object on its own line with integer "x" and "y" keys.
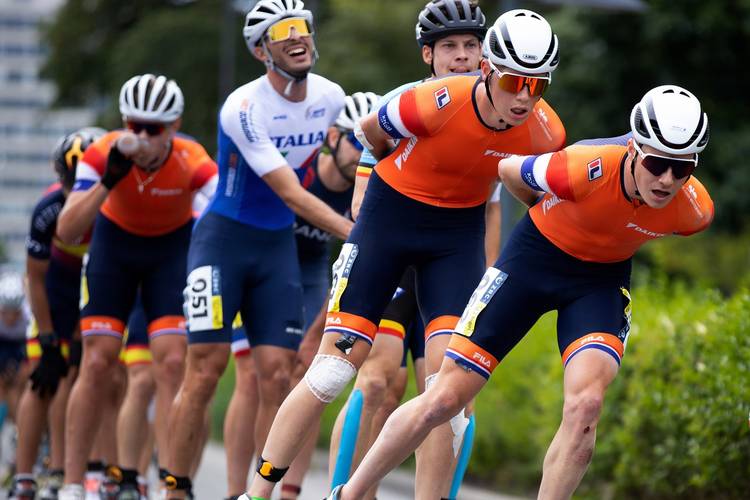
{"x": 441, "y": 18}
{"x": 69, "y": 151}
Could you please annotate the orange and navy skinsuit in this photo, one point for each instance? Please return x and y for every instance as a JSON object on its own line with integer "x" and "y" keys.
{"x": 141, "y": 238}
{"x": 424, "y": 205}
{"x": 572, "y": 252}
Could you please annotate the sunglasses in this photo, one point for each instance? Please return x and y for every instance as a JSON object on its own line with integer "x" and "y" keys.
{"x": 282, "y": 30}
{"x": 657, "y": 164}
{"x": 354, "y": 142}
{"x": 151, "y": 129}
{"x": 513, "y": 83}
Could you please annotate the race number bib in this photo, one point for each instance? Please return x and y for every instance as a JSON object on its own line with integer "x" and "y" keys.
{"x": 84, "y": 298}
{"x": 202, "y": 306}
{"x": 491, "y": 282}
{"x": 341, "y": 269}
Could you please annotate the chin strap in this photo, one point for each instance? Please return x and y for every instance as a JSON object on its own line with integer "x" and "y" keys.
{"x": 334, "y": 154}
{"x": 487, "y": 89}
{"x": 632, "y": 172}
{"x": 291, "y": 76}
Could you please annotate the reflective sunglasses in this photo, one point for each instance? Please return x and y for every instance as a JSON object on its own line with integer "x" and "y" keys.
{"x": 282, "y": 30}
{"x": 151, "y": 129}
{"x": 354, "y": 142}
{"x": 657, "y": 164}
{"x": 513, "y": 83}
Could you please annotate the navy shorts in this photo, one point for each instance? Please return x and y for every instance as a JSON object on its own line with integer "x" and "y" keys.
{"x": 531, "y": 277}
{"x": 137, "y": 349}
{"x": 235, "y": 267}
{"x": 63, "y": 287}
{"x": 12, "y": 354}
{"x": 118, "y": 264}
{"x": 444, "y": 245}
{"x": 315, "y": 280}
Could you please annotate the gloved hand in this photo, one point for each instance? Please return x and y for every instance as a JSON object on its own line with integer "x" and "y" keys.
{"x": 118, "y": 166}
{"x": 51, "y": 368}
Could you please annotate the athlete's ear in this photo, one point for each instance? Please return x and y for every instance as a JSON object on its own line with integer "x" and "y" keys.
{"x": 631, "y": 148}
{"x": 259, "y": 53}
{"x": 333, "y": 137}
{"x": 485, "y": 68}
{"x": 427, "y": 54}
{"x": 175, "y": 125}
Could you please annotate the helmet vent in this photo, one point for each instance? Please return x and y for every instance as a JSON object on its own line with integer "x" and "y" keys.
{"x": 495, "y": 46}
{"x": 639, "y": 125}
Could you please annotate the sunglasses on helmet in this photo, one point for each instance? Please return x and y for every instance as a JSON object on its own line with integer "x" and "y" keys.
{"x": 282, "y": 30}
{"x": 657, "y": 164}
{"x": 514, "y": 83}
{"x": 151, "y": 129}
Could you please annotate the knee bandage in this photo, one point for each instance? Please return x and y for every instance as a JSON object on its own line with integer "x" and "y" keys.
{"x": 458, "y": 426}
{"x": 429, "y": 380}
{"x": 328, "y": 376}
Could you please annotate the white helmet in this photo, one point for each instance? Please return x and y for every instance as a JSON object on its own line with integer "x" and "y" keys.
{"x": 522, "y": 40}
{"x": 358, "y": 105}
{"x": 670, "y": 119}
{"x": 11, "y": 290}
{"x": 151, "y": 98}
{"x": 267, "y": 12}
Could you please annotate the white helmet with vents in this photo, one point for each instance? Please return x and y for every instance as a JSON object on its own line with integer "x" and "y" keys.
{"x": 522, "y": 40}
{"x": 358, "y": 105}
{"x": 670, "y": 119}
{"x": 151, "y": 98}
{"x": 11, "y": 290}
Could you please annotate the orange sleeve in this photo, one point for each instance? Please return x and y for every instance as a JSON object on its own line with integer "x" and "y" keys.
{"x": 696, "y": 208}
{"x": 577, "y": 171}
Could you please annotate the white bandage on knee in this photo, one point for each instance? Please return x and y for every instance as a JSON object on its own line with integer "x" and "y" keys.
{"x": 429, "y": 380}
{"x": 459, "y": 423}
{"x": 328, "y": 376}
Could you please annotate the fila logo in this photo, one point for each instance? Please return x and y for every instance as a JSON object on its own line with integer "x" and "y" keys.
{"x": 482, "y": 360}
{"x": 592, "y": 338}
{"x": 442, "y": 97}
{"x": 333, "y": 321}
{"x": 692, "y": 191}
{"x": 595, "y": 169}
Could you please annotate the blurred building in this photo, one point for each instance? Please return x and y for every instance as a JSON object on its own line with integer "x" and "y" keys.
{"x": 28, "y": 128}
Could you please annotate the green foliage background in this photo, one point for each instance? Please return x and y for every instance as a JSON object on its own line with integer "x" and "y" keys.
{"x": 609, "y": 60}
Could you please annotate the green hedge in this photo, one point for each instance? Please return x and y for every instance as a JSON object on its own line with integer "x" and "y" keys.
{"x": 675, "y": 422}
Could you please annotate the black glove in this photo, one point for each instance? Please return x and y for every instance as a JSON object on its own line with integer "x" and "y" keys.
{"x": 51, "y": 368}
{"x": 118, "y": 166}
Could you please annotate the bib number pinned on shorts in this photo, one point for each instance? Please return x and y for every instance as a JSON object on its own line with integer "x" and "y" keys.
{"x": 341, "y": 270}
{"x": 491, "y": 282}
{"x": 84, "y": 291}
{"x": 203, "y": 307}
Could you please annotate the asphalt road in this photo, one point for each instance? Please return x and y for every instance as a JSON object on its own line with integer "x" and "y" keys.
{"x": 210, "y": 484}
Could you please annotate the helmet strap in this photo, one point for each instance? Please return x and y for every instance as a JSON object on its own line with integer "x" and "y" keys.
{"x": 334, "y": 155}
{"x": 632, "y": 172}
{"x": 292, "y": 77}
{"x": 487, "y": 89}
